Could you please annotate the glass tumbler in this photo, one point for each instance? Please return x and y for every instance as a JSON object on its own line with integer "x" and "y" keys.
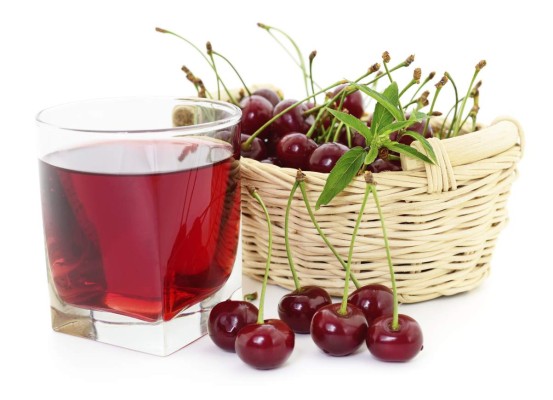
{"x": 141, "y": 212}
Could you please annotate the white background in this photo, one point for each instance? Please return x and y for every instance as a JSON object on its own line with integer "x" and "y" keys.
{"x": 492, "y": 341}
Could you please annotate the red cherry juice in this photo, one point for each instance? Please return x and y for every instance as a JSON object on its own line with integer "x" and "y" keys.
{"x": 144, "y": 244}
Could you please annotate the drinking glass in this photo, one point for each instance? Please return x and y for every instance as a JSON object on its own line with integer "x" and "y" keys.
{"x": 141, "y": 212}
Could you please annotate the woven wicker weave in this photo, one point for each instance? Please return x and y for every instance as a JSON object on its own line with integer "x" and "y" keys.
{"x": 442, "y": 221}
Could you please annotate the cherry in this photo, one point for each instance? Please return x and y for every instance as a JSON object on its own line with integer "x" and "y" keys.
{"x": 291, "y": 121}
{"x": 357, "y": 140}
{"x": 374, "y": 300}
{"x": 256, "y": 111}
{"x": 269, "y": 94}
{"x": 294, "y": 150}
{"x": 337, "y": 334}
{"x": 387, "y": 344}
{"x": 380, "y": 165}
{"x": 298, "y": 307}
{"x": 324, "y": 157}
{"x": 353, "y": 102}
{"x": 226, "y": 319}
{"x": 257, "y": 149}
{"x": 265, "y": 346}
{"x": 416, "y": 127}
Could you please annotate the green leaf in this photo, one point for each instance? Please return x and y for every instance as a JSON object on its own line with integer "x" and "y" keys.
{"x": 425, "y": 144}
{"x": 409, "y": 151}
{"x": 371, "y": 155}
{"x": 341, "y": 175}
{"x": 353, "y": 122}
{"x": 386, "y": 109}
{"x": 396, "y": 126}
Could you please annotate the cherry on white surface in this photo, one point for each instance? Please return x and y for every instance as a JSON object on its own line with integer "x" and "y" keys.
{"x": 492, "y": 341}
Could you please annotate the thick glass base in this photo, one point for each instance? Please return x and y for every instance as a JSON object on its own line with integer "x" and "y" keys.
{"x": 160, "y": 338}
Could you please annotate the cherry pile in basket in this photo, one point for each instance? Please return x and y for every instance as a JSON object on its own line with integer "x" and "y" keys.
{"x": 332, "y": 130}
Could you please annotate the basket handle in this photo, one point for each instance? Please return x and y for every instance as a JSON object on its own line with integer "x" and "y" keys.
{"x": 502, "y": 135}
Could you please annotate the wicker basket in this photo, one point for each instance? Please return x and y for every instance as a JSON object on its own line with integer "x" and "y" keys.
{"x": 442, "y": 220}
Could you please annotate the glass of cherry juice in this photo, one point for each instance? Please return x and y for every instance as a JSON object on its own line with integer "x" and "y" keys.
{"x": 141, "y": 211}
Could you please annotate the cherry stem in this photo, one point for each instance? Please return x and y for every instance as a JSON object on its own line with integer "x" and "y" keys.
{"x": 458, "y": 126}
{"x": 311, "y": 58}
{"x": 442, "y": 128}
{"x": 256, "y": 196}
{"x": 407, "y": 87}
{"x": 210, "y": 54}
{"x": 319, "y": 230}
{"x": 300, "y": 62}
{"x": 231, "y": 98}
{"x": 235, "y": 71}
{"x": 455, "y": 107}
{"x": 395, "y": 319}
{"x": 343, "y": 307}
{"x": 428, "y": 79}
{"x": 287, "y": 238}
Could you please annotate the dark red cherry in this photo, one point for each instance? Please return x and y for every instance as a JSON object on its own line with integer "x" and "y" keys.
{"x": 357, "y": 140}
{"x": 353, "y": 102}
{"x": 291, "y": 121}
{"x": 256, "y": 111}
{"x": 416, "y": 127}
{"x": 265, "y": 346}
{"x": 380, "y": 165}
{"x": 256, "y": 150}
{"x": 337, "y": 334}
{"x": 297, "y": 308}
{"x": 269, "y": 94}
{"x": 388, "y": 345}
{"x": 227, "y": 318}
{"x": 294, "y": 150}
{"x": 324, "y": 157}
{"x": 374, "y": 300}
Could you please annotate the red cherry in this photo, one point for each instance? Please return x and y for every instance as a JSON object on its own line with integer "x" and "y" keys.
{"x": 226, "y": 319}
{"x": 291, "y": 121}
{"x": 380, "y": 165}
{"x": 256, "y": 111}
{"x": 297, "y": 308}
{"x": 265, "y": 346}
{"x": 257, "y": 149}
{"x": 269, "y": 94}
{"x": 337, "y": 334}
{"x": 353, "y": 102}
{"x": 324, "y": 157}
{"x": 416, "y": 127}
{"x": 389, "y": 345}
{"x": 374, "y": 300}
{"x": 294, "y": 150}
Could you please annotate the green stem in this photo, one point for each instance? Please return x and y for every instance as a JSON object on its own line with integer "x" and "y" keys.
{"x": 455, "y": 107}
{"x": 458, "y": 126}
{"x": 287, "y": 239}
{"x": 343, "y": 307}
{"x": 311, "y": 58}
{"x": 406, "y": 88}
{"x": 210, "y": 53}
{"x": 447, "y": 116}
{"x": 231, "y": 98}
{"x": 438, "y": 90}
{"x": 256, "y": 196}
{"x": 428, "y": 79}
{"x": 293, "y": 43}
{"x": 395, "y": 319}
{"x": 322, "y": 235}
{"x": 235, "y": 71}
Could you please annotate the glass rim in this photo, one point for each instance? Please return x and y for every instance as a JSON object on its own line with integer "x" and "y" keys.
{"x": 234, "y": 117}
